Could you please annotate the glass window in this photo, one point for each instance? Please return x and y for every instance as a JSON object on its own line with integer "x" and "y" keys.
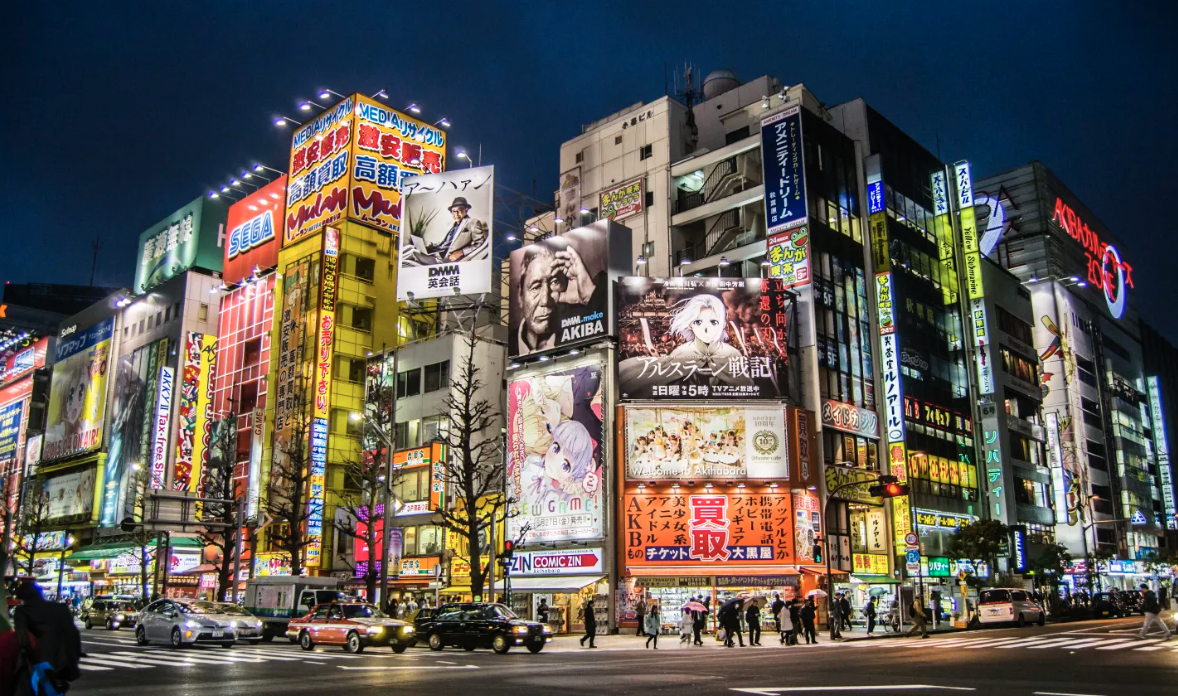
{"x": 362, "y": 318}
{"x": 410, "y": 543}
{"x": 365, "y": 268}
{"x": 437, "y": 376}
{"x": 202, "y": 313}
{"x": 646, "y": 152}
{"x": 429, "y": 540}
{"x": 409, "y": 383}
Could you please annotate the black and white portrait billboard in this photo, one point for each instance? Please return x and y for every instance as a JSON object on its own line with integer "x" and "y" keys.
{"x": 446, "y": 233}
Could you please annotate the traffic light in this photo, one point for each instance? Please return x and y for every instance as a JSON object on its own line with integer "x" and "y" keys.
{"x": 508, "y": 549}
{"x": 888, "y": 487}
{"x": 818, "y": 552}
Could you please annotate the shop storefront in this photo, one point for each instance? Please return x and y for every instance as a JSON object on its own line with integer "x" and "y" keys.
{"x": 565, "y": 579}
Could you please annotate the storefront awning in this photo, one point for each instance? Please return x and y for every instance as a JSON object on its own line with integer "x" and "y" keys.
{"x": 875, "y": 580}
{"x": 808, "y": 570}
{"x": 554, "y": 583}
{"x": 98, "y": 552}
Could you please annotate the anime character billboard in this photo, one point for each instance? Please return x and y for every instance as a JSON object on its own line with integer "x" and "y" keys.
{"x": 555, "y": 449}
{"x": 715, "y": 338}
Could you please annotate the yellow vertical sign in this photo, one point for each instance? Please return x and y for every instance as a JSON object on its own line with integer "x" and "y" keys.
{"x": 944, "y": 229}
{"x": 202, "y": 442}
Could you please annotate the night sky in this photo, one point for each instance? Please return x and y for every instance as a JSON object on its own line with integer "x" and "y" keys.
{"x": 115, "y": 118}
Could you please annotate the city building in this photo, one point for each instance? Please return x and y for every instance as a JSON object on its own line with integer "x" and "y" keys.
{"x": 1104, "y": 467}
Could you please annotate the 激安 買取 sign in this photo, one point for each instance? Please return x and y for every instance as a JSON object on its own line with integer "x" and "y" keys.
{"x": 566, "y": 562}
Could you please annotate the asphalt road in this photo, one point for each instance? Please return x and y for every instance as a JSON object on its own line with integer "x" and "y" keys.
{"x": 1097, "y": 658}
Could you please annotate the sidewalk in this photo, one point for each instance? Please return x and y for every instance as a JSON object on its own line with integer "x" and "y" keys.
{"x": 571, "y": 643}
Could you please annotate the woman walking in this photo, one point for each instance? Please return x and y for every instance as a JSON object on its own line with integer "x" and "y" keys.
{"x": 785, "y": 624}
{"x": 652, "y": 626}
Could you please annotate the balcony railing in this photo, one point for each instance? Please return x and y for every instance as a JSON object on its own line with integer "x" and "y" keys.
{"x": 711, "y": 188}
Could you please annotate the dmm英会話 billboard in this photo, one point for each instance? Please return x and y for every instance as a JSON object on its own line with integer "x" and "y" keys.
{"x": 555, "y": 451}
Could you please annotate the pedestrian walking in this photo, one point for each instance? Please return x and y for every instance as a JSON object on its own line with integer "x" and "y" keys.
{"x": 728, "y": 617}
{"x": 785, "y": 625}
{"x": 836, "y": 618}
{"x": 411, "y": 608}
{"x": 640, "y": 609}
{"x": 808, "y": 612}
{"x": 653, "y": 626}
{"x": 937, "y": 608}
{"x": 845, "y": 610}
{"x": 752, "y": 617}
{"x": 699, "y": 621}
{"x": 795, "y": 617}
{"x": 51, "y": 625}
{"x": 869, "y": 612}
{"x": 542, "y": 611}
{"x": 775, "y": 610}
{"x": 393, "y": 609}
{"x": 590, "y": 620}
{"x": 919, "y": 618}
{"x": 1151, "y": 608}
{"x": 686, "y": 627}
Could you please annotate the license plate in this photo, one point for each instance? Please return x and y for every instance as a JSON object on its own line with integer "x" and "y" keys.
{"x": 218, "y": 634}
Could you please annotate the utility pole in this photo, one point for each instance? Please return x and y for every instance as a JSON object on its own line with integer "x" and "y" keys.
{"x": 94, "y": 246}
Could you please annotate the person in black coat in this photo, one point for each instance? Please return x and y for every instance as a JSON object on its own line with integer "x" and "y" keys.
{"x": 869, "y": 612}
{"x": 699, "y": 621}
{"x": 845, "y": 610}
{"x": 808, "y": 614}
{"x": 590, "y": 625}
{"x": 52, "y": 624}
{"x": 795, "y": 617}
{"x": 752, "y": 617}
{"x": 729, "y": 619}
{"x": 776, "y": 608}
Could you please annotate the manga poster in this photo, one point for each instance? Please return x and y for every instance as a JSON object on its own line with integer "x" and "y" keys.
{"x": 706, "y": 443}
{"x": 712, "y": 338}
{"x": 555, "y": 443}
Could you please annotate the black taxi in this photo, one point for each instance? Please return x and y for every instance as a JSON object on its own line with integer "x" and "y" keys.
{"x": 478, "y": 625}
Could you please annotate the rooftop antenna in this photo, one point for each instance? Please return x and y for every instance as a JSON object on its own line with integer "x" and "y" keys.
{"x": 689, "y": 94}
{"x": 94, "y": 246}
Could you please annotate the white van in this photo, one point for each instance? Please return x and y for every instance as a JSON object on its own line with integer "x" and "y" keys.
{"x": 1009, "y": 606}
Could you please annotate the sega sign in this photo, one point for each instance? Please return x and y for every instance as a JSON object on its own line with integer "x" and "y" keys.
{"x": 253, "y": 237}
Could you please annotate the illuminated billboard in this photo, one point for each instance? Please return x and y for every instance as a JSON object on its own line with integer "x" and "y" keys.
{"x": 783, "y": 165}
{"x": 77, "y": 401}
{"x": 254, "y": 225}
{"x": 1106, "y": 269}
{"x": 194, "y": 412}
{"x": 686, "y": 443}
{"x": 349, "y": 162}
{"x": 191, "y": 237}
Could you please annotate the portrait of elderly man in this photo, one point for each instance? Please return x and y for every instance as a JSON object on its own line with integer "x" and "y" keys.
{"x": 555, "y": 279}
{"x": 461, "y": 242}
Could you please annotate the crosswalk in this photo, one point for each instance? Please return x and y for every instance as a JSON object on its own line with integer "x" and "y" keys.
{"x": 147, "y": 657}
{"x": 1070, "y": 641}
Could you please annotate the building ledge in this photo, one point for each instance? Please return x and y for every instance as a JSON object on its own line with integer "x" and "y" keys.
{"x": 735, "y": 200}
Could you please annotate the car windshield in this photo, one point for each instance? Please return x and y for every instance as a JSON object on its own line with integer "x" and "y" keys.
{"x": 503, "y": 612}
{"x": 122, "y": 606}
{"x": 994, "y": 596}
{"x": 232, "y": 609}
{"x": 362, "y": 611}
{"x": 199, "y": 608}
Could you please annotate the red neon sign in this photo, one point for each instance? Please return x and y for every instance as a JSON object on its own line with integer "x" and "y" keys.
{"x": 1106, "y": 269}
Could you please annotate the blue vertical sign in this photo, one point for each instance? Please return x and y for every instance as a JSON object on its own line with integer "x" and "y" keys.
{"x": 10, "y": 430}
{"x": 783, "y": 164}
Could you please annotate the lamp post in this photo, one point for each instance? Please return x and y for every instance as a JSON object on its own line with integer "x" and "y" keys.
{"x": 66, "y": 545}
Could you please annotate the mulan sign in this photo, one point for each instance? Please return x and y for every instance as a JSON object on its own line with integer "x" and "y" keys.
{"x": 1106, "y": 270}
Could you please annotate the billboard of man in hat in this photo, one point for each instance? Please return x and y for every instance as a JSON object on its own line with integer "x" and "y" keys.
{"x": 464, "y": 236}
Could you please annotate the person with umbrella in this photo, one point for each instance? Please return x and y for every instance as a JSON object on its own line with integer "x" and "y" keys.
{"x": 728, "y": 616}
{"x": 692, "y": 623}
{"x": 869, "y": 612}
{"x": 795, "y": 618}
{"x": 784, "y": 622}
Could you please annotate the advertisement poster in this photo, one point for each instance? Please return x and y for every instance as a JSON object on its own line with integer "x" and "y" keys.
{"x": 77, "y": 400}
{"x": 23, "y": 362}
{"x": 850, "y": 418}
{"x": 708, "y": 529}
{"x": 789, "y": 257}
{"x": 623, "y": 201}
{"x": 10, "y": 420}
{"x": 706, "y": 443}
{"x": 784, "y": 169}
{"x": 70, "y": 495}
{"x": 319, "y": 159}
{"x": 272, "y": 564}
{"x": 560, "y": 291}
{"x": 134, "y": 402}
{"x": 194, "y": 409}
{"x": 254, "y": 224}
{"x": 555, "y": 452}
{"x": 165, "y": 391}
{"x": 188, "y": 238}
{"x": 432, "y": 456}
{"x": 568, "y": 201}
{"x": 807, "y": 523}
{"x": 447, "y": 240}
{"x": 290, "y": 388}
{"x": 713, "y": 338}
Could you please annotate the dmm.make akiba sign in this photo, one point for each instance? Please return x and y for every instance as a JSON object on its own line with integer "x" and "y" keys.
{"x": 1106, "y": 269}
{"x": 567, "y": 562}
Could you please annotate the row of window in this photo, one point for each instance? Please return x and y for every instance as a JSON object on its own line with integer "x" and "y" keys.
{"x": 411, "y": 382}
{"x": 160, "y": 318}
{"x": 843, "y": 329}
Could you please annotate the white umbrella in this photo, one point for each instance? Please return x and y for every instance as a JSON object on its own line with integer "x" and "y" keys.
{"x": 816, "y": 593}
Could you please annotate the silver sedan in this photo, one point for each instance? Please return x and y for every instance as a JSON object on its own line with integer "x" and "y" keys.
{"x": 184, "y": 622}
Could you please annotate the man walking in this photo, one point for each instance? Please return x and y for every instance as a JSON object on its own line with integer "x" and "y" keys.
{"x": 752, "y": 617}
{"x": 836, "y": 617}
{"x": 640, "y": 609}
{"x": 1151, "y": 608}
{"x": 869, "y": 612}
{"x": 699, "y": 620}
{"x": 845, "y": 610}
{"x": 776, "y": 608}
{"x": 590, "y": 625}
{"x": 919, "y": 619}
{"x": 809, "y": 611}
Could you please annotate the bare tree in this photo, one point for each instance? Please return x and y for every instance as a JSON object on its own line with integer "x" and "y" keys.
{"x": 30, "y": 526}
{"x": 474, "y": 467}
{"x": 219, "y": 469}
{"x": 363, "y": 501}
{"x": 288, "y": 499}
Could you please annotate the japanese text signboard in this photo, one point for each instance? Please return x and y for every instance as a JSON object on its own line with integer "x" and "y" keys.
{"x": 447, "y": 241}
{"x": 321, "y": 397}
{"x": 715, "y": 338}
{"x": 349, "y": 162}
{"x": 709, "y": 529}
{"x": 1161, "y": 451}
{"x": 849, "y": 418}
{"x": 1105, "y": 268}
{"x": 194, "y": 410}
{"x": 188, "y": 238}
{"x": 783, "y": 164}
{"x": 789, "y": 257}
{"x": 621, "y": 202}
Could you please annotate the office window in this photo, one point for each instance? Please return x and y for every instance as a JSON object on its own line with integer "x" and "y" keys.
{"x": 409, "y": 383}
{"x": 736, "y": 135}
{"x": 617, "y": 140}
{"x": 433, "y": 428}
{"x": 409, "y": 542}
{"x": 159, "y": 318}
{"x": 649, "y": 199}
{"x": 437, "y": 376}
{"x": 362, "y": 318}
{"x": 410, "y": 486}
{"x": 251, "y": 352}
{"x": 176, "y": 310}
{"x": 202, "y": 313}
{"x": 168, "y": 313}
{"x": 364, "y": 268}
{"x": 429, "y": 540}
{"x": 646, "y": 152}
{"x": 149, "y": 324}
{"x": 580, "y": 157}
{"x": 126, "y": 331}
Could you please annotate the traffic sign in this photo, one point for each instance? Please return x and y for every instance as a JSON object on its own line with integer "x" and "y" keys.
{"x": 911, "y": 541}
{"x": 912, "y": 556}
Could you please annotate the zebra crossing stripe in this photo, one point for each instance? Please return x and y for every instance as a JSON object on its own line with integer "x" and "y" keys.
{"x": 1001, "y": 642}
{"x": 176, "y": 658}
{"x": 106, "y": 663}
{"x": 1125, "y": 643}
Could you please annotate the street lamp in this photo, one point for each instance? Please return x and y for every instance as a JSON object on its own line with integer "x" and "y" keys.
{"x": 461, "y": 154}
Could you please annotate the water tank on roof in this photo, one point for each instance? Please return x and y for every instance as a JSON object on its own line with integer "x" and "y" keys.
{"x": 718, "y": 82}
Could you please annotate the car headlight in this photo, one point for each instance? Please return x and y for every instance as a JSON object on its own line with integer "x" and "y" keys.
{"x": 547, "y": 629}
{"x": 119, "y": 617}
{"x": 232, "y": 624}
{"x": 257, "y": 624}
{"x": 375, "y": 630}
{"x": 191, "y": 624}
{"x": 407, "y": 629}
{"x": 521, "y": 629}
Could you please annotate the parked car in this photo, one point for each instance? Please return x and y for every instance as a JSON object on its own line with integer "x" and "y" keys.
{"x": 111, "y": 614}
{"x": 477, "y": 625}
{"x": 1009, "y": 605}
{"x": 184, "y": 622}
{"x": 1106, "y": 605}
{"x": 354, "y": 625}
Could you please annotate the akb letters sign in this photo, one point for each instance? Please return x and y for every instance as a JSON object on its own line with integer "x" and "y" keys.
{"x": 1106, "y": 270}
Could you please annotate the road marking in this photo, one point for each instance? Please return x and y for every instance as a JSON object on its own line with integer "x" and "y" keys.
{"x": 443, "y": 662}
{"x": 390, "y": 669}
{"x": 1060, "y": 693}
{"x": 997, "y": 643}
{"x": 770, "y": 691}
{"x": 1127, "y": 643}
